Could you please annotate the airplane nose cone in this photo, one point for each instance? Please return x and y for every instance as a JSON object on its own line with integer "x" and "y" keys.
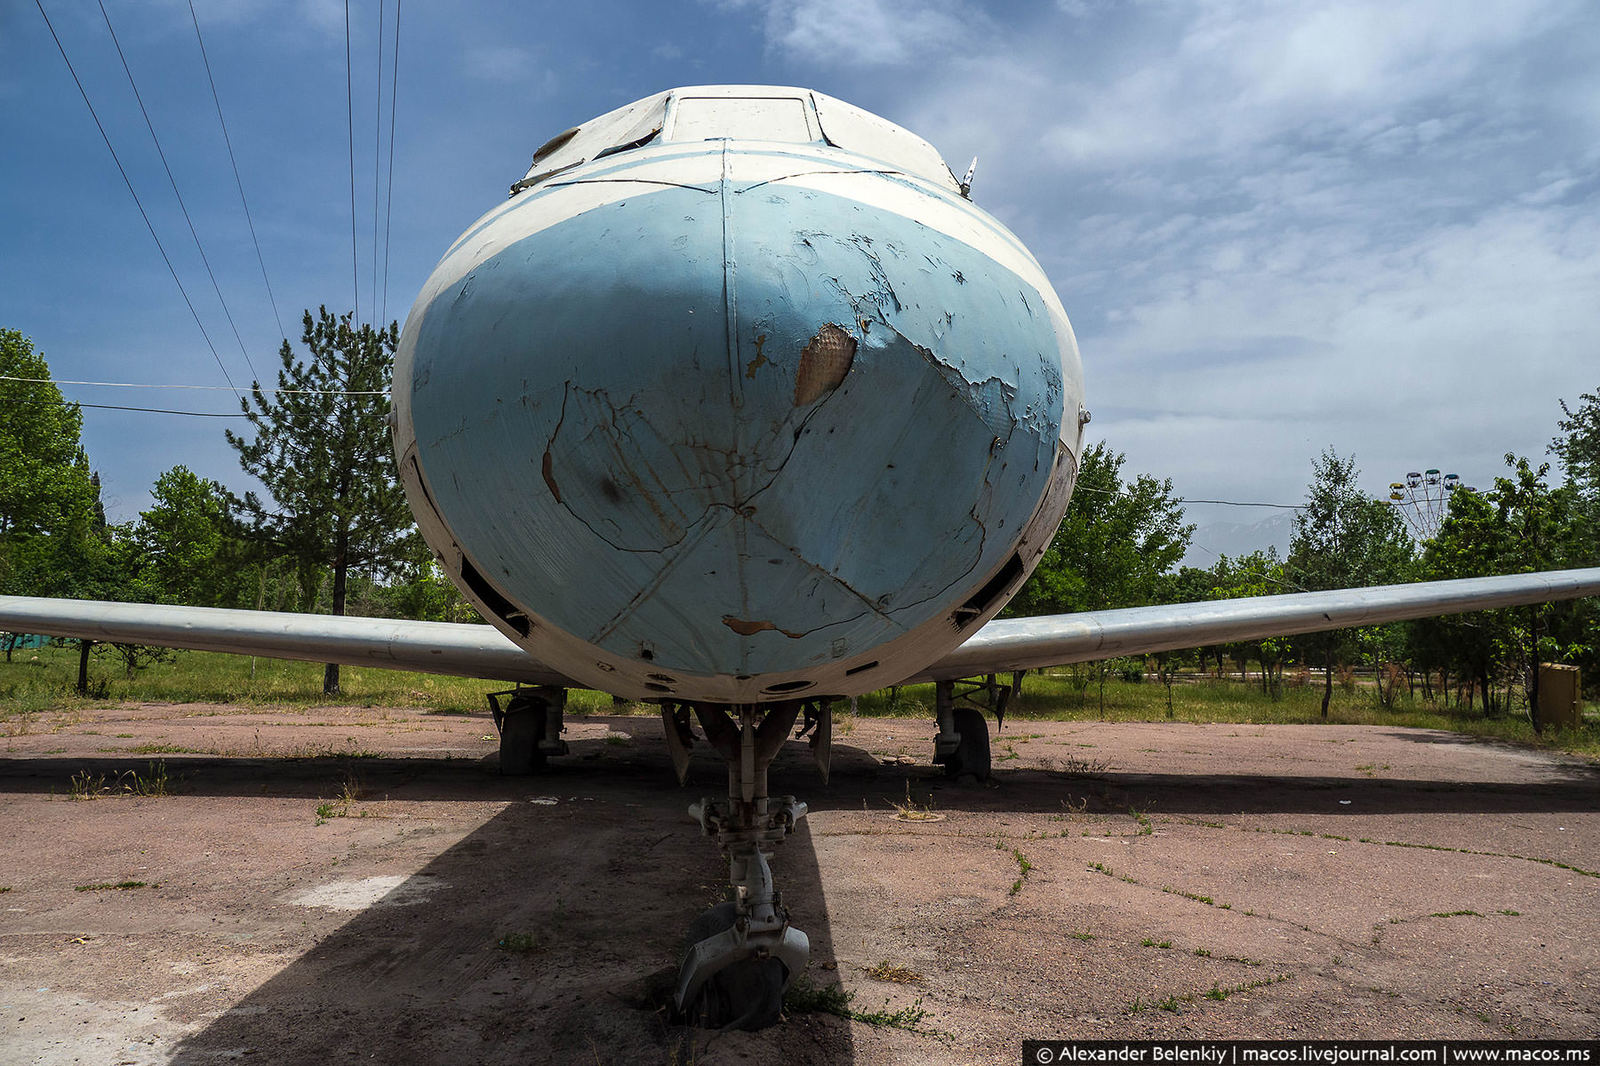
{"x": 688, "y": 432}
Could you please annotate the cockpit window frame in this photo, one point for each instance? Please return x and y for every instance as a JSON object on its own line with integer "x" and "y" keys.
{"x": 808, "y": 106}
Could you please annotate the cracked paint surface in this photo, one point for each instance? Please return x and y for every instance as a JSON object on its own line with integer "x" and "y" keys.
{"x": 676, "y": 423}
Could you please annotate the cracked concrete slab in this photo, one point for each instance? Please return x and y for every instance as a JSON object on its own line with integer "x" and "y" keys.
{"x": 1181, "y": 880}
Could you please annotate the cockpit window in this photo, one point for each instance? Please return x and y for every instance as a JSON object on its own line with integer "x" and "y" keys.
{"x": 627, "y": 127}
{"x": 700, "y": 118}
{"x": 740, "y": 112}
{"x": 849, "y": 127}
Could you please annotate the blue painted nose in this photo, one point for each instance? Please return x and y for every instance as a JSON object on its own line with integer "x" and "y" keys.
{"x": 689, "y": 431}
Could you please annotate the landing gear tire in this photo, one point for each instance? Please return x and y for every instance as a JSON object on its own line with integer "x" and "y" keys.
{"x": 745, "y": 995}
{"x": 520, "y": 734}
{"x": 972, "y": 753}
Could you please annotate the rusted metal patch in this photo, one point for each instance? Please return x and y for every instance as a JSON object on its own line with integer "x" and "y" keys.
{"x": 761, "y": 357}
{"x": 746, "y": 628}
{"x": 824, "y": 362}
{"x": 550, "y": 477}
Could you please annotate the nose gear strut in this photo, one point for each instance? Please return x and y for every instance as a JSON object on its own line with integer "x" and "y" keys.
{"x": 743, "y": 954}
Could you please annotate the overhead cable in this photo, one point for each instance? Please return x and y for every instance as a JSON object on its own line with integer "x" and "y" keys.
{"x": 207, "y": 388}
{"x": 1182, "y": 499}
{"x": 142, "y": 213}
{"x": 174, "y": 181}
{"x": 377, "y": 160}
{"x": 118, "y": 407}
{"x": 388, "y": 199}
{"x": 350, "y": 136}
{"x": 237, "y": 180}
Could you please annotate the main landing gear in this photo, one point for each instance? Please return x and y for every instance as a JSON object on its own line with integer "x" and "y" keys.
{"x": 530, "y": 727}
{"x": 743, "y": 953}
{"x": 962, "y": 744}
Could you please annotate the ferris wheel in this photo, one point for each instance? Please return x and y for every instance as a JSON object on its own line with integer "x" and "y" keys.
{"x": 1423, "y": 499}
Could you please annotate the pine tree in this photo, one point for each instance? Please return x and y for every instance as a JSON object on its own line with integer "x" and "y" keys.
{"x": 321, "y": 447}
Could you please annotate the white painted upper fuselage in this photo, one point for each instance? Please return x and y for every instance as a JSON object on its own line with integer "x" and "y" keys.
{"x": 738, "y": 399}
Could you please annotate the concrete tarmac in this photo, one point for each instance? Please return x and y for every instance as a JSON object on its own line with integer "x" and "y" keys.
{"x": 358, "y": 884}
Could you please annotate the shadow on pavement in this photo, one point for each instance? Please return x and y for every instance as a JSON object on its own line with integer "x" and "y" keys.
{"x": 551, "y": 933}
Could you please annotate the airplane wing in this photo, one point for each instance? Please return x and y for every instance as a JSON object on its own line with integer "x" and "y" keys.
{"x": 390, "y": 643}
{"x": 1004, "y": 644}
{"x": 1054, "y": 640}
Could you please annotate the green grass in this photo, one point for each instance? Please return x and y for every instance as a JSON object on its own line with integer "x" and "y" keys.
{"x": 806, "y": 997}
{"x": 1052, "y": 696}
{"x": 43, "y": 680}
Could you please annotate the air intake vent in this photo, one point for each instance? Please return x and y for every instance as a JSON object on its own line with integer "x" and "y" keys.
{"x": 989, "y": 595}
{"x": 491, "y": 598}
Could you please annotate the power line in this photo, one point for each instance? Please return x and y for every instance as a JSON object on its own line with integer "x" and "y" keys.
{"x": 206, "y": 388}
{"x": 117, "y": 407}
{"x": 350, "y": 136}
{"x": 1240, "y": 503}
{"x": 237, "y": 180}
{"x": 388, "y": 202}
{"x": 142, "y": 213}
{"x": 377, "y": 158}
{"x": 1181, "y": 499}
{"x": 181, "y": 205}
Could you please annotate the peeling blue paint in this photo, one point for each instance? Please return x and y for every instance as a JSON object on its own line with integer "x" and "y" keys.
{"x": 650, "y": 479}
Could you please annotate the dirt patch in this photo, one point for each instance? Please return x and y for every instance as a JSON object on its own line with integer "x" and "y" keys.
{"x": 359, "y": 883}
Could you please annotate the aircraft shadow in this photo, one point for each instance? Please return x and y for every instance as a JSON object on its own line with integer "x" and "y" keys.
{"x": 551, "y": 933}
{"x": 859, "y": 779}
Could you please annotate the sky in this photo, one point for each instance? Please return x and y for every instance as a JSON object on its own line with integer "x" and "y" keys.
{"x": 1277, "y": 228}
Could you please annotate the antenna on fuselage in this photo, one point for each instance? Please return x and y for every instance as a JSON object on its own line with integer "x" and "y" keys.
{"x": 966, "y": 182}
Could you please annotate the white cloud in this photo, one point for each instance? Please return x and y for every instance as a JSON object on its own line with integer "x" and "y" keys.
{"x": 325, "y": 16}
{"x": 871, "y": 33}
{"x": 502, "y": 62}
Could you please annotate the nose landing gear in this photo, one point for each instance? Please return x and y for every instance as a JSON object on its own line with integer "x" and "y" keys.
{"x": 743, "y": 953}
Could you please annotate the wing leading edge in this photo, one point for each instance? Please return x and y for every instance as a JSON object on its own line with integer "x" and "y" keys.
{"x": 389, "y": 643}
{"x": 1004, "y": 644}
{"x": 1053, "y": 640}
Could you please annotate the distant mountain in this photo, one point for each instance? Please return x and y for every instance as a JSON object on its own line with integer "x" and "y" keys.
{"x": 1233, "y": 539}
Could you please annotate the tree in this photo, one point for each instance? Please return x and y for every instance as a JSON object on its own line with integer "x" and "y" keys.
{"x": 1258, "y": 574}
{"x": 180, "y": 546}
{"x": 1116, "y": 547}
{"x": 53, "y": 539}
{"x": 322, "y": 450}
{"x": 51, "y": 522}
{"x": 1343, "y": 538}
{"x": 1519, "y": 526}
{"x": 1578, "y": 448}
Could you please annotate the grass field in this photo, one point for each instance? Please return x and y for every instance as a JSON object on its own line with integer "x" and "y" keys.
{"x": 43, "y": 680}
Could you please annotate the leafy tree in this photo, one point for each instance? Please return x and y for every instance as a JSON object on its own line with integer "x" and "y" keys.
{"x": 324, "y": 456}
{"x": 53, "y": 538}
{"x": 1471, "y": 542}
{"x": 51, "y": 522}
{"x": 1343, "y": 538}
{"x": 1519, "y": 526}
{"x": 1578, "y": 448}
{"x": 180, "y": 547}
{"x": 1258, "y": 574}
{"x": 1117, "y": 545}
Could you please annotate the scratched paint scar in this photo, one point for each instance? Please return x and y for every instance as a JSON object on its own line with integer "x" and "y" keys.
{"x": 746, "y": 628}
